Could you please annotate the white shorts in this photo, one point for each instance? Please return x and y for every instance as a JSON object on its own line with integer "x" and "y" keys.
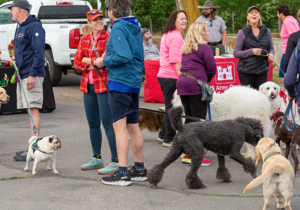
{"x": 34, "y": 97}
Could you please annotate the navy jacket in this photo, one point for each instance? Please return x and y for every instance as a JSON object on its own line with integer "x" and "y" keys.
{"x": 124, "y": 53}
{"x": 290, "y": 77}
{"x": 29, "y": 46}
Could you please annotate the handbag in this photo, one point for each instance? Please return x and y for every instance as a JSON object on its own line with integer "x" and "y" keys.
{"x": 207, "y": 91}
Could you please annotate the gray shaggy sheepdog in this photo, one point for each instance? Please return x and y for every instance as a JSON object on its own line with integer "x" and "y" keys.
{"x": 221, "y": 137}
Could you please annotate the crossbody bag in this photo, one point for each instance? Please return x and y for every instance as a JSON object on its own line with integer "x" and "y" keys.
{"x": 207, "y": 91}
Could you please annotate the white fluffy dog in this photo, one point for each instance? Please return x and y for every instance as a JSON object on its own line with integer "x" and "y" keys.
{"x": 271, "y": 90}
{"x": 240, "y": 101}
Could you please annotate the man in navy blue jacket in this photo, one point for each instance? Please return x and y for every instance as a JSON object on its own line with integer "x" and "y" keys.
{"x": 125, "y": 62}
{"x": 29, "y": 47}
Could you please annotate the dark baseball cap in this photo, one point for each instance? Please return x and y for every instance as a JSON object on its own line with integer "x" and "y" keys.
{"x": 252, "y": 7}
{"x": 23, "y": 4}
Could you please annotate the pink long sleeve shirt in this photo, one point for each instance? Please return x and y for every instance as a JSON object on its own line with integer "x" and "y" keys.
{"x": 289, "y": 26}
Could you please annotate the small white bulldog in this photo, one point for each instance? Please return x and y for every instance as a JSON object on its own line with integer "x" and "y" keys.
{"x": 42, "y": 149}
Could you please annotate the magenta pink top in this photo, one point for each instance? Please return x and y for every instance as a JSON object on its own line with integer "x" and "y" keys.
{"x": 289, "y": 26}
{"x": 170, "y": 53}
{"x": 90, "y": 80}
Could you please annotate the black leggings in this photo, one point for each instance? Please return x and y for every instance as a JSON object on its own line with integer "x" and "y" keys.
{"x": 193, "y": 106}
{"x": 168, "y": 87}
{"x": 252, "y": 79}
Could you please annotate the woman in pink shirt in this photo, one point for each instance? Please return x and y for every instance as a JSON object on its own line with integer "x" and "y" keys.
{"x": 170, "y": 63}
{"x": 289, "y": 26}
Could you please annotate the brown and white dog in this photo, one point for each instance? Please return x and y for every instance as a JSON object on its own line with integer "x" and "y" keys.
{"x": 150, "y": 120}
{"x": 290, "y": 138}
{"x": 277, "y": 174}
{"x": 43, "y": 149}
{"x": 4, "y": 98}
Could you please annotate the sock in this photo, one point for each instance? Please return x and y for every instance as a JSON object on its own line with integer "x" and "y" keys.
{"x": 115, "y": 160}
{"x": 98, "y": 157}
{"x": 123, "y": 170}
{"x": 139, "y": 166}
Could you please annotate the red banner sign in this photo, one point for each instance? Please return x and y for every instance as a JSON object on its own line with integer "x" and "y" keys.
{"x": 227, "y": 75}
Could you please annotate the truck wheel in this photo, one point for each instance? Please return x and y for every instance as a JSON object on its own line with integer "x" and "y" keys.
{"x": 54, "y": 70}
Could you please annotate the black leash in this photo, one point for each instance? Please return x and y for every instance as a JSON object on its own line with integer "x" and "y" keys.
{"x": 135, "y": 107}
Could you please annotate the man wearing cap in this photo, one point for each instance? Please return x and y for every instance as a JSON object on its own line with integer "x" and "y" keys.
{"x": 150, "y": 50}
{"x": 215, "y": 25}
{"x": 29, "y": 47}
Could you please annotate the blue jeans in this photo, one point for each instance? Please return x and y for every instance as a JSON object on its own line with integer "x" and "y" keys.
{"x": 97, "y": 110}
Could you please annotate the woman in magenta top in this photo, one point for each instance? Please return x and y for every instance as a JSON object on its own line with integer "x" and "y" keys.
{"x": 198, "y": 61}
{"x": 170, "y": 63}
{"x": 289, "y": 26}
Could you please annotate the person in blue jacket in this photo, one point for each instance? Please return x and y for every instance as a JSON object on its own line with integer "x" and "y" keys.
{"x": 29, "y": 48}
{"x": 291, "y": 77}
{"x": 125, "y": 62}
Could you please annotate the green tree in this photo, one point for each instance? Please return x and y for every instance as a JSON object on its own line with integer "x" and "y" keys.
{"x": 156, "y": 10}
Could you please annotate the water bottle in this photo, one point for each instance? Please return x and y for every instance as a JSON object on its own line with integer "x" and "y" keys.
{"x": 217, "y": 52}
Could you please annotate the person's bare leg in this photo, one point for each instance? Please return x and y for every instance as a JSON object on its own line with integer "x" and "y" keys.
{"x": 137, "y": 142}
{"x": 37, "y": 120}
{"x": 122, "y": 141}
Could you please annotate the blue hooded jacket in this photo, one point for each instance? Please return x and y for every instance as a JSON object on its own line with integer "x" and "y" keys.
{"x": 290, "y": 77}
{"x": 29, "y": 46}
{"x": 124, "y": 53}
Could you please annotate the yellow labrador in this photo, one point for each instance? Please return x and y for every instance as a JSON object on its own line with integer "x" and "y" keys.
{"x": 277, "y": 174}
{"x": 4, "y": 98}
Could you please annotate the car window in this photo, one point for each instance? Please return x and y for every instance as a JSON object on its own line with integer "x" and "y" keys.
{"x": 63, "y": 12}
{"x": 4, "y": 15}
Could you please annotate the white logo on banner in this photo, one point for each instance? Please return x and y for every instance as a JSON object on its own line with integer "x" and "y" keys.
{"x": 224, "y": 73}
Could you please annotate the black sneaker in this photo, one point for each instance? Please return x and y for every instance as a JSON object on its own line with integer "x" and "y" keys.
{"x": 22, "y": 153}
{"x": 117, "y": 179}
{"x": 19, "y": 158}
{"x": 137, "y": 175}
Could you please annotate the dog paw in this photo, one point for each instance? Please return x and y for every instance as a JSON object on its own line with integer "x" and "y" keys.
{"x": 34, "y": 173}
{"x": 48, "y": 168}
{"x": 26, "y": 169}
{"x": 55, "y": 171}
{"x": 153, "y": 186}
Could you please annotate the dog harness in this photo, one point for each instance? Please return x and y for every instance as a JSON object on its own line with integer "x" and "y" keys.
{"x": 271, "y": 154}
{"x": 35, "y": 146}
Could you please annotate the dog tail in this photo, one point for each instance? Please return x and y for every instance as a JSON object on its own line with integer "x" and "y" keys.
{"x": 32, "y": 138}
{"x": 175, "y": 118}
{"x": 258, "y": 181}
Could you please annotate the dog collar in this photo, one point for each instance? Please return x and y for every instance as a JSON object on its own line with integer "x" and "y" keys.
{"x": 271, "y": 118}
{"x": 35, "y": 146}
{"x": 271, "y": 154}
{"x": 275, "y": 123}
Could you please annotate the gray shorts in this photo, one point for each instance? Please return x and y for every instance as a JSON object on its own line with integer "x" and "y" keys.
{"x": 34, "y": 97}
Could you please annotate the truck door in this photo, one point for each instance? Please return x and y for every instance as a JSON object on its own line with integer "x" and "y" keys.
{"x": 6, "y": 28}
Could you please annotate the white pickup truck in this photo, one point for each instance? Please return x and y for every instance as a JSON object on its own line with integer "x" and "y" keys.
{"x": 62, "y": 21}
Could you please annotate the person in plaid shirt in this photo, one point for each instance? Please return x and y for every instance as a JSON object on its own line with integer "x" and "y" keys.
{"x": 95, "y": 95}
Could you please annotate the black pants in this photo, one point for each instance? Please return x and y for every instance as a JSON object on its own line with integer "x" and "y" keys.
{"x": 193, "y": 106}
{"x": 168, "y": 87}
{"x": 252, "y": 79}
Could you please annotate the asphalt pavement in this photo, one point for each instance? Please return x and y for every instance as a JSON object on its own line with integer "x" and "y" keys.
{"x": 76, "y": 189}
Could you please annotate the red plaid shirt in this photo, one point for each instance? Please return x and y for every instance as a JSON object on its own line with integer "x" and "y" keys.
{"x": 84, "y": 50}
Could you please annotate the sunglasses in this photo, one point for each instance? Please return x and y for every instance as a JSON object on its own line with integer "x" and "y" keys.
{"x": 96, "y": 12}
{"x": 211, "y": 23}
